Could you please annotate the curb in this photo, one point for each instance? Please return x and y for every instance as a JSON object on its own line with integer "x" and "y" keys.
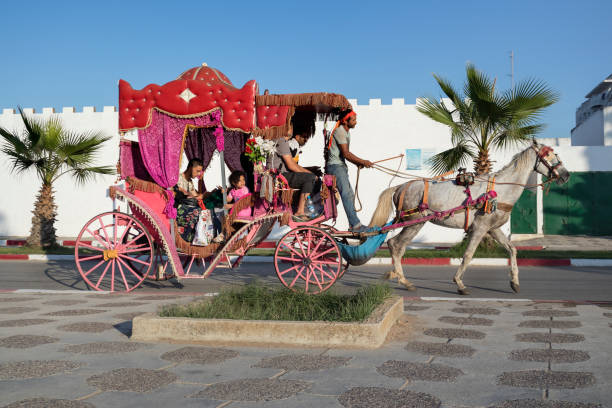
{"x": 22, "y": 242}
{"x": 35, "y": 257}
{"x": 375, "y": 261}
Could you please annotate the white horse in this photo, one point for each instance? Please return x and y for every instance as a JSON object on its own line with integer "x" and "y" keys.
{"x": 509, "y": 184}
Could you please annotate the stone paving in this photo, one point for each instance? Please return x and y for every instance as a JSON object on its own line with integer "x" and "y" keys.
{"x": 74, "y": 350}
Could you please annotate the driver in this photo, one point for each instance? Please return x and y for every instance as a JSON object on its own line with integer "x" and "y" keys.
{"x": 336, "y": 154}
{"x": 297, "y": 176}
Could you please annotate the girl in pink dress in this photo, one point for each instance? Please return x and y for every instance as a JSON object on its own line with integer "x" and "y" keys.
{"x": 238, "y": 190}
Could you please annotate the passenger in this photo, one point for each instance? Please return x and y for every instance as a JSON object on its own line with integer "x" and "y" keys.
{"x": 336, "y": 154}
{"x": 238, "y": 190}
{"x": 297, "y": 176}
{"x": 186, "y": 200}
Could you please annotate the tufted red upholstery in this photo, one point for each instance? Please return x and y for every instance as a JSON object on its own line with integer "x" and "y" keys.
{"x": 271, "y": 115}
{"x": 238, "y": 105}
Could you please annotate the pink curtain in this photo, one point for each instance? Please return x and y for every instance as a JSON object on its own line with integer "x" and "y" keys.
{"x": 160, "y": 148}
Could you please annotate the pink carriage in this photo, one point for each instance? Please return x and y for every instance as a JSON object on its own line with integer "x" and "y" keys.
{"x": 197, "y": 114}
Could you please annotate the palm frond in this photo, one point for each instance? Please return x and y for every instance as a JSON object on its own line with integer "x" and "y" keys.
{"x": 529, "y": 99}
{"x": 33, "y": 127}
{"x": 79, "y": 148}
{"x": 84, "y": 174}
{"x": 478, "y": 86}
{"x": 515, "y": 136}
{"x": 436, "y": 111}
{"x": 53, "y": 134}
{"x": 13, "y": 141}
{"x": 451, "y": 159}
{"x": 448, "y": 89}
{"x": 20, "y": 162}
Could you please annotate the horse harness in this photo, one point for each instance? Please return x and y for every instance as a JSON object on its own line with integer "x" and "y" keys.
{"x": 487, "y": 202}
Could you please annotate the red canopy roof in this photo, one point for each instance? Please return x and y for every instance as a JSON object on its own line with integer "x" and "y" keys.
{"x": 197, "y": 91}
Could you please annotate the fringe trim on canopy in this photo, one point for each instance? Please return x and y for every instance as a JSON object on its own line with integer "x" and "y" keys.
{"x": 241, "y": 243}
{"x": 305, "y": 99}
{"x": 324, "y": 192}
{"x": 272, "y": 133}
{"x": 287, "y": 196}
{"x": 187, "y": 248}
{"x": 142, "y": 185}
{"x": 285, "y": 219}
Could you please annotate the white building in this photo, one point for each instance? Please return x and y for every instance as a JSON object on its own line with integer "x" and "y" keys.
{"x": 594, "y": 117}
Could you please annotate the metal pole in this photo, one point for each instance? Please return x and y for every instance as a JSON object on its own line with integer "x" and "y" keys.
{"x": 223, "y": 182}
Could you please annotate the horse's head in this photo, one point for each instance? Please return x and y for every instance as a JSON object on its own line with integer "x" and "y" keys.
{"x": 548, "y": 163}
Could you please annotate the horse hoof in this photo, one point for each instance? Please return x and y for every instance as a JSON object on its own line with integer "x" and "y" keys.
{"x": 463, "y": 292}
{"x": 516, "y": 288}
{"x": 410, "y": 288}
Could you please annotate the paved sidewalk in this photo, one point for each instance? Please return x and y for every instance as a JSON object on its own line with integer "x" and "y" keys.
{"x": 459, "y": 353}
{"x": 550, "y": 242}
{"x": 569, "y": 243}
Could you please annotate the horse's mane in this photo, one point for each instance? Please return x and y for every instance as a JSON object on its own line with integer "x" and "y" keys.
{"x": 518, "y": 159}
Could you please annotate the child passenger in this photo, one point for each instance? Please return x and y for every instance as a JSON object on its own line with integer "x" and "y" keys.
{"x": 239, "y": 189}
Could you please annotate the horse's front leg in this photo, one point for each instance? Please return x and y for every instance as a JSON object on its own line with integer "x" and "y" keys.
{"x": 503, "y": 240}
{"x": 397, "y": 246}
{"x": 478, "y": 232}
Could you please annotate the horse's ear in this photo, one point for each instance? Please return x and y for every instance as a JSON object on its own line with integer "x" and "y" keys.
{"x": 534, "y": 141}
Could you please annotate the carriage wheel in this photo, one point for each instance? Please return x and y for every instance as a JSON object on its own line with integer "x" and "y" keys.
{"x": 160, "y": 271}
{"x": 114, "y": 252}
{"x": 308, "y": 259}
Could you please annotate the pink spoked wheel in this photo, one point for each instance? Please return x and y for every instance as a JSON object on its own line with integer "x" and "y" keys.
{"x": 114, "y": 252}
{"x": 308, "y": 258}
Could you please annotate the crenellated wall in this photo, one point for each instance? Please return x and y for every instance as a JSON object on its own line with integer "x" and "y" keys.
{"x": 383, "y": 130}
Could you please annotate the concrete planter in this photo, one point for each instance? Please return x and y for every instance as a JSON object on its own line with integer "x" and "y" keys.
{"x": 368, "y": 334}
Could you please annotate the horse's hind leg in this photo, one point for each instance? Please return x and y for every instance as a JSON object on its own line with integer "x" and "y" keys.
{"x": 503, "y": 240}
{"x": 397, "y": 246}
{"x": 478, "y": 232}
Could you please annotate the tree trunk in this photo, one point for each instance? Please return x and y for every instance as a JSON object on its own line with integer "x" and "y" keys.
{"x": 42, "y": 232}
{"x": 482, "y": 164}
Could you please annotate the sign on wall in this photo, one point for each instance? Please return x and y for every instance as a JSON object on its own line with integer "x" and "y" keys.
{"x": 418, "y": 159}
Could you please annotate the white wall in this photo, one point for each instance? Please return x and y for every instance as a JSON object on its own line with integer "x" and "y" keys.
{"x": 382, "y": 131}
{"x": 76, "y": 204}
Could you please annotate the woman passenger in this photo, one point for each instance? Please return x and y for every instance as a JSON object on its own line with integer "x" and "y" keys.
{"x": 186, "y": 200}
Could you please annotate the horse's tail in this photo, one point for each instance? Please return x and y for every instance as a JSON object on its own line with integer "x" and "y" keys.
{"x": 384, "y": 207}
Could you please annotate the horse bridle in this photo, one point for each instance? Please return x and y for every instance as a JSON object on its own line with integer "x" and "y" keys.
{"x": 549, "y": 159}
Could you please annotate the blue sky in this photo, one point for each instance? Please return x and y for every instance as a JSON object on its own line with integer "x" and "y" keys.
{"x": 65, "y": 53}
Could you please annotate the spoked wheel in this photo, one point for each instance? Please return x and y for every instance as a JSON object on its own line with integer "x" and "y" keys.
{"x": 308, "y": 259}
{"x": 114, "y": 252}
{"x": 160, "y": 270}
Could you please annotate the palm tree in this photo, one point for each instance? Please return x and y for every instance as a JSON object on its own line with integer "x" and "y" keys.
{"x": 52, "y": 151}
{"x": 482, "y": 119}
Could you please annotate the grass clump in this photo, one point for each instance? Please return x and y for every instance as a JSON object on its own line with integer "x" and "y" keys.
{"x": 255, "y": 302}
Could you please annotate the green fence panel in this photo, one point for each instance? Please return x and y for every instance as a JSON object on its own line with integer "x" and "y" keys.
{"x": 582, "y": 206}
{"x": 524, "y": 214}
